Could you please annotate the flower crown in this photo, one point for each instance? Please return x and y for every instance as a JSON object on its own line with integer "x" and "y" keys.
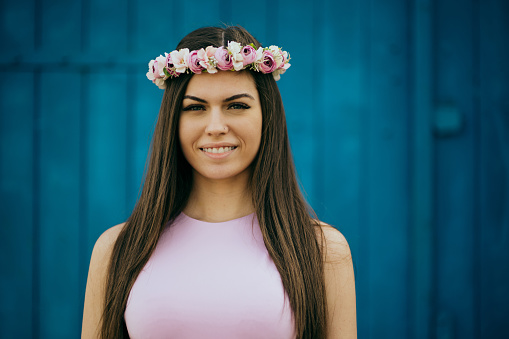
{"x": 235, "y": 57}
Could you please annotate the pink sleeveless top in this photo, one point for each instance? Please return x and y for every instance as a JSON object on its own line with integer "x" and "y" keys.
{"x": 209, "y": 280}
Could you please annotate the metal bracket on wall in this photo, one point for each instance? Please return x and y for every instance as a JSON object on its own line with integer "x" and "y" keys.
{"x": 448, "y": 120}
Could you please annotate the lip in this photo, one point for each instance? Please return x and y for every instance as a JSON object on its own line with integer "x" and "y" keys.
{"x": 218, "y": 155}
{"x": 218, "y": 144}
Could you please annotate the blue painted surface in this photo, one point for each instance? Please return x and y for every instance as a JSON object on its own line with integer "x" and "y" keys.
{"x": 17, "y": 205}
{"x": 426, "y": 212}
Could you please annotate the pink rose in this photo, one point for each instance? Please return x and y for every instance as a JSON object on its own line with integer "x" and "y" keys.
{"x": 193, "y": 62}
{"x": 224, "y": 60}
{"x": 249, "y": 55}
{"x": 268, "y": 64}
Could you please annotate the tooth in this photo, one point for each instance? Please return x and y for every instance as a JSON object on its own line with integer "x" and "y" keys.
{"x": 221, "y": 150}
{"x": 209, "y": 150}
{"x": 214, "y": 150}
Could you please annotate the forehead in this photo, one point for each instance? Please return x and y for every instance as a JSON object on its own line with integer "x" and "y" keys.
{"x": 221, "y": 84}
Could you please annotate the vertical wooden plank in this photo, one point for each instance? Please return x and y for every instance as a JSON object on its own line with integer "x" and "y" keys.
{"x": 149, "y": 39}
{"x": 59, "y": 206}
{"x": 255, "y": 19}
{"x": 342, "y": 100}
{"x": 106, "y": 146}
{"x": 387, "y": 177}
{"x": 317, "y": 123}
{"x": 153, "y": 36}
{"x": 16, "y": 27}
{"x": 147, "y": 103}
{"x": 108, "y": 27}
{"x": 455, "y": 170}
{"x": 181, "y": 19}
{"x": 421, "y": 194}
{"x": 202, "y": 13}
{"x": 494, "y": 172}
{"x": 60, "y": 29}
{"x": 296, "y": 87}
{"x": 84, "y": 255}
{"x": 363, "y": 272}
{"x": 16, "y": 218}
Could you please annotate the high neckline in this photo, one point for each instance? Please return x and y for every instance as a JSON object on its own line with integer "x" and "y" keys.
{"x": 197, "y": 221}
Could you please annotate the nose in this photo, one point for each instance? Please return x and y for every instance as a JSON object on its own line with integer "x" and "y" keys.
{"x": 216, "y": 124}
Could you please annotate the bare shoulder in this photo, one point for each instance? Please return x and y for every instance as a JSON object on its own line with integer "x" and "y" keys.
{"x": 102, "y": 251}
{"x": 339, "y": 283}
{"x": 96, "y": 281}
{"x": 105, "y": 242}
{"x": 334, "y": 245}
{"x": 101, "y": 254}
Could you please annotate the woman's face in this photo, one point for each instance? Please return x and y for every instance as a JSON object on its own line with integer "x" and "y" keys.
{"x": 220, "y": 124}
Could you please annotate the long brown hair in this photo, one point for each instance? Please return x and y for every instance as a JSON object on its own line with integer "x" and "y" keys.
{"x": 288, "y": 230}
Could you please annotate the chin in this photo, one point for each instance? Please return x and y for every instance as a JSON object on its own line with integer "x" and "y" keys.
{"x": 224, "y": 174}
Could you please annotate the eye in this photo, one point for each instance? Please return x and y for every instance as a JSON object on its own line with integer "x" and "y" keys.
{"x": 238, "y": 105}
{"x": 193, "y": 107}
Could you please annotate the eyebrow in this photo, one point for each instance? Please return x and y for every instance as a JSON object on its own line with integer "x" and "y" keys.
{"x": 233, "y": 97}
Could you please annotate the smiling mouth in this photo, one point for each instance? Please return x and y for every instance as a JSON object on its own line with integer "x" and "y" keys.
{"x": 218, "y": 149}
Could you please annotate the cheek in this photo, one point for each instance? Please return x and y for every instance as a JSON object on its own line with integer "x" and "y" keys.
{"x": 185, "y": 130}
{"x": 257, "y": 130}
{"x": 186, "y": 135}
{"x": 256, "y": 135}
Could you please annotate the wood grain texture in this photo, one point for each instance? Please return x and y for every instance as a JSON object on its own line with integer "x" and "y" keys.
{"x": 426, "y": 214}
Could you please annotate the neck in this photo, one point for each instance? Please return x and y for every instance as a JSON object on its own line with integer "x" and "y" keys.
{"x": 219, "y": 200}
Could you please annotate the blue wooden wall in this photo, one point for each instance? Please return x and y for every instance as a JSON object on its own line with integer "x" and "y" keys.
{"x": 399, "y": 121}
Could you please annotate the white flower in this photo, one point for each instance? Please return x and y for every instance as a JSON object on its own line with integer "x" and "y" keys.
{"x": 277, "y": 73}
{"x": 156, "y": 69}
{"x": 150, "y": 73}
{"x": 274, "y": 49}
{"x": 160, "y": 83}
{"x": 278, "y": 57}
{"x": 160, "y": 64}
{"x": 207, "y": 60}
{"x": 179, "y": 59}
{"x": 238, "y": 61}
{"x": 259, "y": 59}
{"x": 234, "y": 49}
{"x": 211, "y": 67}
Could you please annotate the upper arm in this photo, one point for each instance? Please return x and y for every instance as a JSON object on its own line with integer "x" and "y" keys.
{"x": 339, "y": 285}
{"x": 96, "y": 282}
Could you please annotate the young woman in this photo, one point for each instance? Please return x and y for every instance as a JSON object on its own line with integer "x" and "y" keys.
{"x": 221, "y": 243}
